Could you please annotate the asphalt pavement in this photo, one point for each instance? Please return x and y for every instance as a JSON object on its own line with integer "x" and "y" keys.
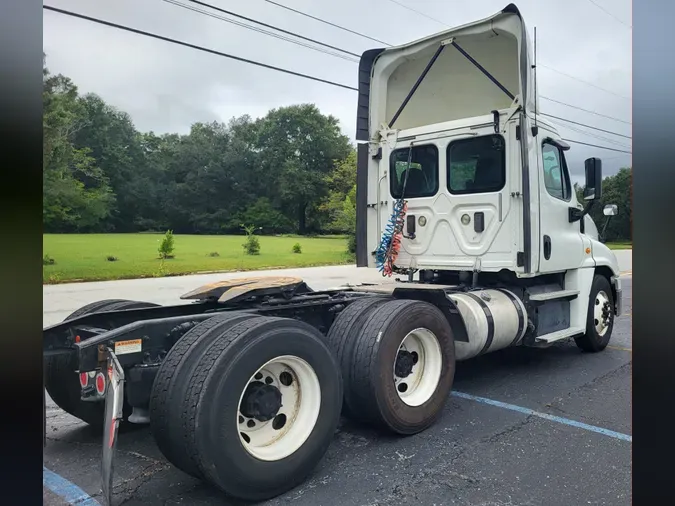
{"x": 536, "y": 427}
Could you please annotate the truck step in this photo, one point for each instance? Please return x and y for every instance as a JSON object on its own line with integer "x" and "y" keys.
{"x": 560, "y": 294}
{"x": 559, "y": 335}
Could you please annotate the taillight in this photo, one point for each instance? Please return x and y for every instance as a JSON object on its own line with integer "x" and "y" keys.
{"x": 84, "y": 379}
{"x": 100, "y": 383}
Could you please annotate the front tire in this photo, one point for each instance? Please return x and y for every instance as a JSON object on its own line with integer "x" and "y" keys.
{"x": 600, "y": 317}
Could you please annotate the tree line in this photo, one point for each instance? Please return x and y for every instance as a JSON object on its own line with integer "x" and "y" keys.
{"x": 291, "y": 171}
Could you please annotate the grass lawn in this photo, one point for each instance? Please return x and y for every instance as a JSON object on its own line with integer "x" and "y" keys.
{"x": 83, "y": 256}
{"x": 620, "y": 245}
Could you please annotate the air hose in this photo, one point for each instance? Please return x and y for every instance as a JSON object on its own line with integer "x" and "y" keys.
{"x": 390, "y": 244}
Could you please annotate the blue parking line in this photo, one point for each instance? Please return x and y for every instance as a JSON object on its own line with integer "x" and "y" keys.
{"x": 66, "y": 490}
{"x": 546, "y": 416}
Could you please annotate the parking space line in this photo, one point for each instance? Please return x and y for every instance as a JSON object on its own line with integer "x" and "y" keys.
{"x": 66, "y": 490}
{"x": 545, "y": 416}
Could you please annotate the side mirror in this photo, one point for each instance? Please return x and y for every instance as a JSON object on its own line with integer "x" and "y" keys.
{"x": 593, "y": 186}
{"x": 610, "y": 210}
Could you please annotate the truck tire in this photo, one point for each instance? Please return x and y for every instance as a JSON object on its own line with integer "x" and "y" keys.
{"x": 600, "y": 317}
{"x": 343, "y": 336}
{"x": 170, "y": 386}
{"x": 403, "y": 367}
{"x": 262, "y": 407}
{"x": 61, "y": 380}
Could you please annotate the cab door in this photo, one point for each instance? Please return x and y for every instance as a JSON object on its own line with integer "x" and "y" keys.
{"x": 560, "y": 242}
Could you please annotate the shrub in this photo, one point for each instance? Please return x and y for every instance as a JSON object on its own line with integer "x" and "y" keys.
{"x": 47, "y": 260}
{"x": 214, "y": 254}
{"x": 167, "y": 246}
{"x": 252, "y": 244}
{"x": 297, "y": 248}
{"x": 351, "y": 243}
{"x": 111, "y": 258}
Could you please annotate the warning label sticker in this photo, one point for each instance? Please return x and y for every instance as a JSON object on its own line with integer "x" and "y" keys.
{"x": 125, "y": 347}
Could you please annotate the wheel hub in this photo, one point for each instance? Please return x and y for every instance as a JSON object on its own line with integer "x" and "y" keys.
{"x": 405, "y": 361}
{"x": 602, "y": 313}
{"x": 261, "y": 401}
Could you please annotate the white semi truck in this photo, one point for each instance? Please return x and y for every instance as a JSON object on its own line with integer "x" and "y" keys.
{"x": 462, "y": 191}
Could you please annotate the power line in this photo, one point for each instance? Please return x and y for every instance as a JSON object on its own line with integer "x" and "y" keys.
{"x": 265, "y": 32}
{"x": 329, "y": 23}
{"x": 585, "y": 110}
{"x": 318, "y": 42}
{"x": 198, "y": 48}
{"x": 610, "y": 14}
{"x": 226, "y": 55}
{"x": 597, "y": 146}
{"x": 438, "y": 21}
{"x": 420, "y": 13}
{"x": 590, "y": 134}
{"x": 582, "y": 81}
{"x": 585, "y": 125}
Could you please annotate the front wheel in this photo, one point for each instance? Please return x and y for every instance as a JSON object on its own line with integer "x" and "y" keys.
{"x": 600, "y": 317}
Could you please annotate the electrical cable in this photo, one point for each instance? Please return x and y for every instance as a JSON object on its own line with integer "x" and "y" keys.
{"x": 233, "y": 57}
{"x": 198, "y": 48}
{"x": 354, "y": 57}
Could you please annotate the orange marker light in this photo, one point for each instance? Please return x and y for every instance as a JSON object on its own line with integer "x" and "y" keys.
{"x": 588, "y": 251}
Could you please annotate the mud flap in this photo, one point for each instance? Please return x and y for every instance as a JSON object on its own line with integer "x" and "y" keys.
{"x": 114, "y": 402}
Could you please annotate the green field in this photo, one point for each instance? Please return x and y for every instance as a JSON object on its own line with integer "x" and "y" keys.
{"x": 82, "y": 257}
{"x": 620, "y": 245}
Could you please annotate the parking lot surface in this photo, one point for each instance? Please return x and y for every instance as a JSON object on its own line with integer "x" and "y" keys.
{"x": 539, "y": 427}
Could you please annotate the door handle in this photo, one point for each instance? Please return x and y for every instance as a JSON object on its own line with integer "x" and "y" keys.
{"x": 410, "y": 226}
{"x": 547, "y": 247}
{"x": 478, "y": 222}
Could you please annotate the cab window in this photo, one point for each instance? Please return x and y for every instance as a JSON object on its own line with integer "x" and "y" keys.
{"x": 422, "y": 175}
{"x": 556, "y": 177}
{"x": 476, "y": 165}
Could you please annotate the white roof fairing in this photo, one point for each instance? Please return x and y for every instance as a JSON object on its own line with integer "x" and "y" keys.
{"x": 454, "y": 87}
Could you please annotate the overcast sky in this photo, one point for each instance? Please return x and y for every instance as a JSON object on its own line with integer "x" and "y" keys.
{"x": 166, "y": 88}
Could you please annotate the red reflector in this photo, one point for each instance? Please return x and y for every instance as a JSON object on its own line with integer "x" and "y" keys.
{"x": 84, "y": 379}
{"x": 100, "y": 384}
{"x": 77, "y": 339}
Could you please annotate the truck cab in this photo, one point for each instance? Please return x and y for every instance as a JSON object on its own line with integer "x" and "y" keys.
{"x": 459, "y": 173}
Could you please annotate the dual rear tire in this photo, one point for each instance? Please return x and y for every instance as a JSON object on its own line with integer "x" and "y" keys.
{"x": 247, "y": 403}
{"x": 397, "y": 359}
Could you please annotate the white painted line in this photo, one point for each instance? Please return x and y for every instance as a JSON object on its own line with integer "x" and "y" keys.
{"x": 546, "y": 416}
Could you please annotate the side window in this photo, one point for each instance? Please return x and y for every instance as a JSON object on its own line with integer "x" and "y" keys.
{"x": 422, "y": 178}
{"x": 476, "y": 165}
{"x": 556, "y": 178}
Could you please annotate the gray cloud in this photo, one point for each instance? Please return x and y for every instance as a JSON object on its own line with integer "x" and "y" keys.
{"x": 166, "y": 88}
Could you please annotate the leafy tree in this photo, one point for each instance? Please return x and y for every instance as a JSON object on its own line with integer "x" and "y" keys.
{"x": 76, "y": 193}
{"x": 115, "y": 145}
{"x": 616, "y": 189}
{"x": 298, "y": 148}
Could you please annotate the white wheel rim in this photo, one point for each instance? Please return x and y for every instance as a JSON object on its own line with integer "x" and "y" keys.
{"x": 291, "y": 425}
{"x": 602, "y": 313}
{"x": 416, "y": 386}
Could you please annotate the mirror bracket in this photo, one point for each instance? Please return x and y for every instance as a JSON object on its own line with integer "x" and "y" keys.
{"x": 576, "y": 214}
